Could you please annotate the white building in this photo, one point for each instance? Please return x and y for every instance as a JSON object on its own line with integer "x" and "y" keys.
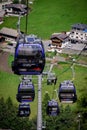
{"x": 4, "y": 3}
{"x": 78, "y": 33}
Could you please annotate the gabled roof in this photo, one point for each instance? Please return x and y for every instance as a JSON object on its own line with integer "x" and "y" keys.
{"x": 20, "y": 6}
{"x": 79, "y": 26}
{"x": 9, "y": 32}
{"x": 61, "y": 36}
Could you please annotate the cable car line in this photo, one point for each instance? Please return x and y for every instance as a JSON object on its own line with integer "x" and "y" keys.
{"x": 73, "y": 72}
{"x": 29, "y": 59}
{"x": 26, "y": 17}
{"x": 67, "y": 90}
{"x": 81, "y": 52}
{"x": 71, "y": 64}
{"x": 18, "y": 25}
{"x": 53, "y": 92}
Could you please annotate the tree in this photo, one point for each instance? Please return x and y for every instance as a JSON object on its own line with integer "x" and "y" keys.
{"x": 44, "y": 104}
{"x": 64, "y": 121}
{"x": 82, "y": 109}
{"x": 82, "y": 104}
{"x": 23, "y": 2}
{"x": 9, "y": 113}
{"x": 9, "y": 118}
{"x": 15, "y": 1}
{"x": 2, "y": 112}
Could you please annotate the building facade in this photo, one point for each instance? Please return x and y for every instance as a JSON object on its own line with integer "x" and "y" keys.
{"x": 16, "y": 9}
{"x": 58, "y": 39}
{"x": 78, "y": 33}
{"x": 3, "y": 3}
{"x": 8, "y": 33}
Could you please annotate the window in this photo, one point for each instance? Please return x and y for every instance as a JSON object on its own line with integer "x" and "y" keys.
{"x": 3, "y": 6}
{"x": 81, "y": 34}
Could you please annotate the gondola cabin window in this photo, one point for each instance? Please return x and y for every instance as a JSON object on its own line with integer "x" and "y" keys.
{"x": 28, "y": 50}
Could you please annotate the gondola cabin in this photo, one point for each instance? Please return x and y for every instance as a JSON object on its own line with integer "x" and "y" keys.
{"x": 52, "y": 108}
{"x": 29, "y": 58}
{"x": 67, "y": 92}
{"x": 24, "y": 110}
{"x": 26, "y": 92}
{"x": 51, "y": 79}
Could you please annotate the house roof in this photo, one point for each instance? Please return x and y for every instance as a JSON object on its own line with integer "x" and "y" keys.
{"x": 20, "y": 6}
{"x": 61, "y": 36}
{"x": 79, "y": 26}
{"x": 9, "y": 32}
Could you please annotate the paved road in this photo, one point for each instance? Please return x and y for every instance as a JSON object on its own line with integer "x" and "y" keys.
{"x": 46, "y": 43}
{"x": 4, "y": 62}
{"x": 69, "y": 49}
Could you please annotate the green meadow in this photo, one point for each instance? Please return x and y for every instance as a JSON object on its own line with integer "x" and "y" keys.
{"x": 9, "y": 83}
{"x": 49, "y": 16}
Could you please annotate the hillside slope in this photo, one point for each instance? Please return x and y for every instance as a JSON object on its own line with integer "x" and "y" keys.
{"x": 49, "y": 16}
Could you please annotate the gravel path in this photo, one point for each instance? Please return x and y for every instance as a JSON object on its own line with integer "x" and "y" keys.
{"x": 4, "y": 62}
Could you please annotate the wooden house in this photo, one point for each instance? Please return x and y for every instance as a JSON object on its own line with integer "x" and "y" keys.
{"x": 8, "y": 33}
{"x": 16, "y": 9}
{"x": 58, "y": 39}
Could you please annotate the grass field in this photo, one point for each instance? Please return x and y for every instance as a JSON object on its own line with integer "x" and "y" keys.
{"x": 9, "y": 83}
{"x": 49, "y": 16}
